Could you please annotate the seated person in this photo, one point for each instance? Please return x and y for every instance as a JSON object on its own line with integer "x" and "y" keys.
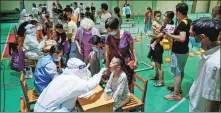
{"x": 46, "y": 68}
{"x": 156, "y": 27}
{"x": 62, "y": 93}
{"x": 98, "y": 53}
{"x": 31, "y": 46}
{"x": 118, "y": 83}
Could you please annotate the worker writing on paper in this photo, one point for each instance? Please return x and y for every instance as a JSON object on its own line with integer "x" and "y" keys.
{"x": 61, "y": 94}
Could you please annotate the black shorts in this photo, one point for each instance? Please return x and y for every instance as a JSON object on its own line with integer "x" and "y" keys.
{"x": 156, "y": 55}
{"x": 128, "y": 16}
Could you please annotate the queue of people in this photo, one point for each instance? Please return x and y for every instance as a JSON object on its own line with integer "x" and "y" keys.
{"x": 80, "y": 48}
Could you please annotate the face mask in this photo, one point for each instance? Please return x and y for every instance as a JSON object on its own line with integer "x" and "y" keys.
{"x": 113, "y": 33}
{"x": 94, "y": 49}
{"x": 194, "y": 43}
{"x": 58, "y": 59}
{"x": 87, "y": 32}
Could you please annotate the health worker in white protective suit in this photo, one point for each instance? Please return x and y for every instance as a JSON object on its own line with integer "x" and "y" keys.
{"x": 31, "y": 47}
{"x": 61, "y": 94}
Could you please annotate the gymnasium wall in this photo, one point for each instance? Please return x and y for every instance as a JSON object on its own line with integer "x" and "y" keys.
{"x": 10, "y": 5}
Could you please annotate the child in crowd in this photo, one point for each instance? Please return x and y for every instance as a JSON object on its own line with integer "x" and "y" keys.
{"x": 98, "y": 53}
{"x": 156, "y": 26}
{"x": 117, "y": 83}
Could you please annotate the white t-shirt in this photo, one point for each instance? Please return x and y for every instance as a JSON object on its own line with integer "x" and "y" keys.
{"x": 72, "y": 28}
{"x": 206, "y": 85}
{"x": 104, "y": 17}
{"x": 77, "y": 13}
{"x": 35, "y": 10}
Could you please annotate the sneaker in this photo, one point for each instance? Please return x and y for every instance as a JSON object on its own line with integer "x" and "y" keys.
{"x": 171, "y": 88}
{"x": 173, "y": 96}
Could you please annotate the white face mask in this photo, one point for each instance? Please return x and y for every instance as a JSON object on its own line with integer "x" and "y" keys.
{"x": 113, "y": 33}
{"x": 58, "y": 59}
{"x": 94, "y": 49}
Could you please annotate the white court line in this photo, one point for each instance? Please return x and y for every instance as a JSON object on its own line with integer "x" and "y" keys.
{"x": 6, "y": 42}
{"x": 177, "y": 104}
{"x": 181, "y": 101}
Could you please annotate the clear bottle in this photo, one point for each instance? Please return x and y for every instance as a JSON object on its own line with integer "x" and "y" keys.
{"x": 108, "y": 94}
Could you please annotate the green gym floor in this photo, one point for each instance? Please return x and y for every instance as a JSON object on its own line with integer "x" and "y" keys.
{"x": 155, "y": 101}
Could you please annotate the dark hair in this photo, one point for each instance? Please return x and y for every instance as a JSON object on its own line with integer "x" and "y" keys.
{"x": 53, "y": 4}
{"x": 55, "y": 49}
{"x": 156, "y": 12}
{"x": 44, "y": 4}
{"x": 122, "y": 61}
{"x": 68, "y": 6}
{"x": 209, "y": 27}
{"x": 87, "y": 8}
{"x": 47, "y": 16}
{"x": 94, "y": 40}
{"x": 218, "y": 10}
{"x": 117, "y": 11}
{"x": 34, "y": 5}
{"x": 40, "y": 5}
{"x": 66, "y": 18}
{"x": 81, "y": 3}
{"x": 127, "y": 4}
{"x": 59, "y": 26}
{"x": 75, "y": 3}
{"x": 104, "y": 6}
{"x": 170, "y": 15}
{"x": 44, "y": 9}
{"x": 112, "y": 23}
{"x": 182, "y": 8}
{"x": 33, "y": 22}
{"x": 59, "y": 5}
{"x": 149, "y": 9}
{"x": 68, "y": 9}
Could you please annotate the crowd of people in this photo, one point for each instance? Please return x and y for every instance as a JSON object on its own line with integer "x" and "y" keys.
{"x": 80, "y": 46}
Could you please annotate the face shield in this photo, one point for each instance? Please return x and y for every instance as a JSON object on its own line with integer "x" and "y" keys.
{"x": 77, "y": 68}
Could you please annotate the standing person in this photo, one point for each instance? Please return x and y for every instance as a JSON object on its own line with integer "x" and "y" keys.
{"x": 148, "y": 20}
{"x": 35, "y": 11}
{"x": 118, "y": 16}
{"x": 120, "y": 43}
{"x": 180, "y": 50}
{"x": 77, "y": 13}
{"x": 205, "y": 91}
{"x": 71, "y": 32}
{"x": 156, "y": 53}
{"x": 123, "y": 10}
{"x": 128, "y": 12}
{"x": 104, "y": 16}
{"x": 83, "y": 35}
{"x": 93, "y": 9}
{"x": 82, "y": 10}
{"x": 88, "y": 14}
{"x": 216, "y": 13}
{"x": 68, "y": 13}
{"x": 60, "y": 10}
{"x": 54, "y": 12}
{"x": 98, "y": 53}
{"x": 46, "y": 69}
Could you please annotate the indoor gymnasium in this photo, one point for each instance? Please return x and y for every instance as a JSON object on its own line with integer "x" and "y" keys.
{"x": 110, "y": 56}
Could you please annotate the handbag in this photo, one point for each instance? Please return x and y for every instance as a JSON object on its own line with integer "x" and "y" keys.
{"x": 17, "y": 61}
{"x": 131, "y": 63}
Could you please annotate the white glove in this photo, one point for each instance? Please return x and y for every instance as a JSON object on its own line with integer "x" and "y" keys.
{"x": 102, "y": 71}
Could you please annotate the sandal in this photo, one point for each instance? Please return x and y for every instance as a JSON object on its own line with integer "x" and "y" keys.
{"x": 154, "y": 78}
{"x": 159, "y": 84}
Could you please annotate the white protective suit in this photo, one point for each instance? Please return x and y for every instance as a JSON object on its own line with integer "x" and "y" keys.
{"x": 31, "y": 46}
{"x": 61, "y": 94}
{"x": 24, "y": 16}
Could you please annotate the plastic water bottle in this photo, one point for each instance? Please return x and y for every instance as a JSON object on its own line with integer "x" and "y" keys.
{"x": 108, "y": 94}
